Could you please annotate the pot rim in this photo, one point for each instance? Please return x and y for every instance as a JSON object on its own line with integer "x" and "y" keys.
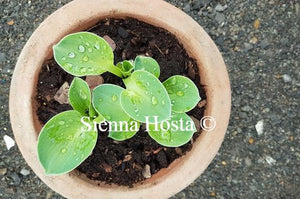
{"x": 197, "y": 43}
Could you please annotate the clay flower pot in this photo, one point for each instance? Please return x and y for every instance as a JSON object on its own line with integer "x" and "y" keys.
{"x": 80, "y": 15}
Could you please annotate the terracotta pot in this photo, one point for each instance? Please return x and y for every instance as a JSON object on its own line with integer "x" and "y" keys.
{"x": 80, "y": 15}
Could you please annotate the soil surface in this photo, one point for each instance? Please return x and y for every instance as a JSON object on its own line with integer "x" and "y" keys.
{"x": 125, "y": 162}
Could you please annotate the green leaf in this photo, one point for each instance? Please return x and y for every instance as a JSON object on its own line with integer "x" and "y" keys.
{"x": 80, "y": 96}
{"x": 148, "y": 64}
{"x": 84, "y": 53}
{"x": 106, "y": 101}
{"x": 145, "y": 96}
{"x": 132, "y": 129}
{"x": 65, "y": 142}
{"x": 126, "y": 67}
{"x": 183, "y": 93}
{"x": 169, "y": 136}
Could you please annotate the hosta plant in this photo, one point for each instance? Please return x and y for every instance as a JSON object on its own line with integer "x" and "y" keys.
{"x": 68, "y": 138}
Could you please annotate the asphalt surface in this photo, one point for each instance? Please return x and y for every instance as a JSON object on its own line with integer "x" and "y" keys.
{"x": 260, "y": 43}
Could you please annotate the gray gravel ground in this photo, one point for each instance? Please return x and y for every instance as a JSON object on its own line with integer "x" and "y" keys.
{"x": 263, "y": 63}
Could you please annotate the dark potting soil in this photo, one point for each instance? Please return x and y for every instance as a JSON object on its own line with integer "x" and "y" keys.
{"x": 123, "y": 162}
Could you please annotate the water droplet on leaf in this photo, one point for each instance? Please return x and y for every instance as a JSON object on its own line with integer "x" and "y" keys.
{"x": 114, "y": 98}
{"x": 61, "y": 122}
{"x": 172, "y": 102}
{"x": 83, "y": 70}
{"x": 68, "y": 65}
{"x": 85, "y": 58}
{"x": 173, "y": 81}
{"x": 71, "y": 55}
{"x": 180, "y": 93}
{"x": 64, "y": 150}
{"x": 166, "y": 135}
{"x": 97, "y": 47}
{"x": 82, "y": 94}
{"x": 81, "y": 48}
{"x": 154, "y": 100}
{"x": 51, "y": 126}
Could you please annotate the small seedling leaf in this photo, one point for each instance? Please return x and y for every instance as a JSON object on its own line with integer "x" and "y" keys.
{"x": 80, "y": 96}
{"x": 126, "y": 67}
{"x": 65, "y": 142}
{"x": 169, "y": 136}
{"x": 148, "y": 64}
{"x": 145, "y": 96}
{"x": 183, "y": 93}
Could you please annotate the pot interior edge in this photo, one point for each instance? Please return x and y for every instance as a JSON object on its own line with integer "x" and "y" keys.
{"x": 163, "y": 173}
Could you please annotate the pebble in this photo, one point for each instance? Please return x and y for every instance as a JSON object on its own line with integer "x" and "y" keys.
{"x": 220, "y": 41}
{"x": 253, "y": 188}
{"x": 243, "y": 115}
{"x": 122, "y": 32}
{"x": 246, "y": 108}
{"x": 24, "y": 172}
{"x": 162, "y": 159}
{"x": 2, "y": 57}
{"x": 264, "y": 43}
{"x": 248, "y": 161}
{"x": 251, "y": 141}
{"x": 247, "y": 46}
{"x": 9, "y": 142}
{"x": 256, "y": 24}
{"x": 187, "y": 8}
{"x": 220, "y": 8}
{"x": 94, "y": 80}
{"x": 270, "y": 160}
{"x": 201, "y": 104}
{"x": 146, "y": 171}
{"x": 220, "y": 18}
{"x": 61, "y": 96}
{"x": 286, "y": 78}
{"x": 3, "y": 171}
{"x": 252, "y": 147}
{"x": 284, "y": 41}
{"x": 11, "y": 22}
{"x": 16, "y": 178}
{"x": 178, "y": 151}
{"x": 110, "y": 41}
{"x": 212, "y": 194}
{"x": 259, "y": 127}
{"x": 49, "y": 194}
{"x": 297, "y": 8}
